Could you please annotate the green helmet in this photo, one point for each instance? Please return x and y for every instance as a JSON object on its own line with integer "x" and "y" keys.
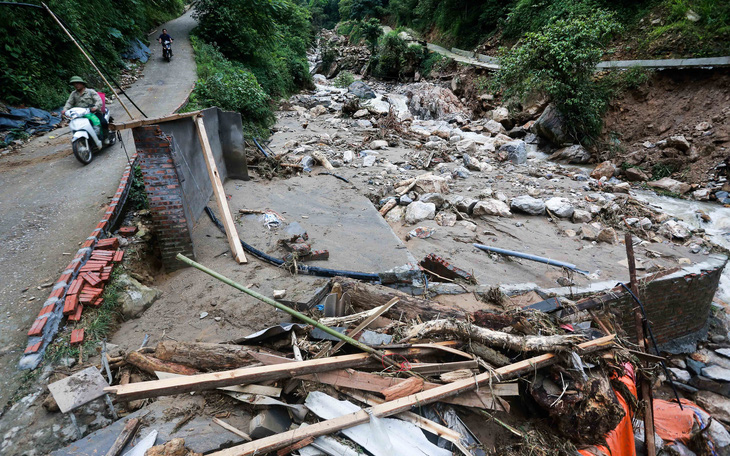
{"x": 77, "y": 79}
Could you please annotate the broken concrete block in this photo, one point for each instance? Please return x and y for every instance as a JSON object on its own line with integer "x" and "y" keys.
{"x": 269, "y": 422}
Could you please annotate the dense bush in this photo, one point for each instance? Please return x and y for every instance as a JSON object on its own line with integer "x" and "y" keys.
{"x": 344, "y": 79}
{"x": 395, "y": 58}
{"x": 325, "y": 14}
{"x": 38, "y": 59}
{"x": 230, "y": 86}
{"x": 559, "y": 62}
{"x": 270, "y": 37}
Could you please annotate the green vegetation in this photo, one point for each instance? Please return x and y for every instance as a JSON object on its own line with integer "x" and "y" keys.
{"x": 137, "y": 195}
{"x": 38, "y": 59}
{"x": 230, "y": 86}
{"x": 558, "y": 62}
{"x": 395, "y": 58}
{"x": 325, "y": 14}
{"x": 344, "y": 79}
{"x": 250, "y": 52}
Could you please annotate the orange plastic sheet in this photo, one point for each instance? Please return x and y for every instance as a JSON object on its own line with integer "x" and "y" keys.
{"x": 620, "y": 440}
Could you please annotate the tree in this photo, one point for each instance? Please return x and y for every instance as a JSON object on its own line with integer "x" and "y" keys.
{"x": 371, "y": 31}
{"x": 559, "y": 62}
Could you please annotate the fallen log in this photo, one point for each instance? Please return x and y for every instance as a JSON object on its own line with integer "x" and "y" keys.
{"x": 488, "y": 354}
{"x": 366, "y": 296}
{"x": 204, "y": 356}
{"x": 275, "y": 442}
{"x": 240, "y": 376}
{"x": 467, "y": 331}
{"x": 411, "y": 386}
{"x": 152, "y": 365}
{"x": 388, "y": 206}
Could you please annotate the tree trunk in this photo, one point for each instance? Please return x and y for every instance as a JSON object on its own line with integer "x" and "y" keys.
{"x": 203, "y": 356}
{"x": 152, "y": 365}
{"x": 366, "y": 296}
{"x": 492, "y": 338}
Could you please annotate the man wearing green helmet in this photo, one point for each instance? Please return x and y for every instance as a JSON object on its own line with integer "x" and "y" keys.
{"x": 84, "y": 97}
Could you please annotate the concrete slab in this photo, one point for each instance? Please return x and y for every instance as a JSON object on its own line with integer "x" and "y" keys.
{"x": 78, "y": 389}
{"x": 336, "y": 217}
{"x": 200, "y": 434}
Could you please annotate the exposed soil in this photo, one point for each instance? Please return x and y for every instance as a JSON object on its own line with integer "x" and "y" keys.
{"x": 673, "y": 103}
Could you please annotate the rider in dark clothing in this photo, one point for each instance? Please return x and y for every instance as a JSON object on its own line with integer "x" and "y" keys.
{"x": 165, "y": 37}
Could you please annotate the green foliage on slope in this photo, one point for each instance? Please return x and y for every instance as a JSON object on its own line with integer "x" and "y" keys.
{"x": 37, "y": 58}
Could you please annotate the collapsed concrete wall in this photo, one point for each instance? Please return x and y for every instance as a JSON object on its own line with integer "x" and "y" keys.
{"x": 176, "y": 177}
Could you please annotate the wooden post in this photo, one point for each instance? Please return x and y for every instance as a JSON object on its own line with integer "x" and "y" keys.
{"x": 220, "y": 195}
{"x": 644, "y": 385}
{"x": 130, "y": 428}
{"x": 87, "y": 58}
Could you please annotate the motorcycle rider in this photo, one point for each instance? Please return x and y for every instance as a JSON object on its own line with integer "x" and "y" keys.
{"x": 165, "y": 37}
{"x": 84, "y": 97}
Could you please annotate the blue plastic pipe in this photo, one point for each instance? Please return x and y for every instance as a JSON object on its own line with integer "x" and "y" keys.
{"x": 527, "y": 256}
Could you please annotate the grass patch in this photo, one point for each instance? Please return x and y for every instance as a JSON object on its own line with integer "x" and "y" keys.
{"x": 344, "y": 79}
{"x": 137, "y": 195}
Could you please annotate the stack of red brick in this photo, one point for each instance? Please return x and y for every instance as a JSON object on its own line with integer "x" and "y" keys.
{"x": 98, "y": 267}
{"x": 87, "y": 288}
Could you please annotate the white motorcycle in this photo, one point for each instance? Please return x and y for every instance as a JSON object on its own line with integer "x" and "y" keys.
{"x": 86, "y": 136}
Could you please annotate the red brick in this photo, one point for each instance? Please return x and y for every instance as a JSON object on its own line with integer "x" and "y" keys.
{"x": 88, "y": 243}
{"x": 37, "y": 328}
{"x": 33, "y": 348}
{"x": 77, "y": 315}
{"x": 64, "y": 278}
{"x": 57, "y": 293}
{"x": 69, "y": 305}
{"x": 75, "y": 286}
{"x": 94, "y": 267}
{"x": 91, "y": 278}
{"x": 47, "y": 309}
{"x": 97, "y": 302}
{"x": 108, "y": 244}
{"x": 118, "y": 256}
{"x": 77, "y": 336}
{"x": 128, "y": 230}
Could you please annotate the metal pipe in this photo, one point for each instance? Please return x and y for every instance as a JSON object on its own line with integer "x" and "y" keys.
{"x": 527, "y": 256}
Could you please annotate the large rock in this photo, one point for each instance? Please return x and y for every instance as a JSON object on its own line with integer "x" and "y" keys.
{"x": 678, "y": 142}
{"x": 605, "y": 169}
{"x": 671, "y": 185}
{"x": 607, "y": 235}
{"x": 716, "y": 405}
{"x": 716, "y": 373}
{"x": 418, "y": 211}
{"x": 528, "y": 205}
{"x": 572, "y": 154}
{"x": 680, "y": 374}
{"x": 581, "y": 216}
{"x": 134, "y": 298}
{"x": 516, "y": 151}
{"x": 494, "y": 127}
{"x": 435, "y": 198}
{"x": 491, "y": 207}
{"x": 635, "y": 175}
{"x": 560, "y": 207}
{"x": 361, "y": 90}
{"x": 430, "y": 102}
{"x": 431, "y": 184}
{"x": 674, "y": 230}
{"x": 551, "y": 126}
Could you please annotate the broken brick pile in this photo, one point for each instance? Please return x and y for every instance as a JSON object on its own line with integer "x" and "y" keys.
{"x": 81, "y": 283}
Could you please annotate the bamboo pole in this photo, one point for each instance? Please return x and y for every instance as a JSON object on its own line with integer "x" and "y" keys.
{"x": 379, "y": 355}
{"x": 53, "y": 15}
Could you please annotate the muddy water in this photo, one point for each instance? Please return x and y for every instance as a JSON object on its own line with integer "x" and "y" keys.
{"x": 717, "y": 229}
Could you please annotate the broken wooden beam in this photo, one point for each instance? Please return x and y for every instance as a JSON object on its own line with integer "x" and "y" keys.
{"x": 411, "y": 386}
{"x": 240, "y": 376}
{"x": 275, "y": 442}
{"x": 153, "y": 121}
{"x": 220, "y": 194}
{"x": 130, "y": 428}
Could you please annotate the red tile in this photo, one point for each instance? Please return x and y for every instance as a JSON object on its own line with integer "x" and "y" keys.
{"x": 37, "y": 328}
{"x": 33, "y": 348}
{"x": 77, "y": 336}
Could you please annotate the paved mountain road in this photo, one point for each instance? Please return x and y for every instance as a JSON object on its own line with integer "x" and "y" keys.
{"x": 49, "y": 202}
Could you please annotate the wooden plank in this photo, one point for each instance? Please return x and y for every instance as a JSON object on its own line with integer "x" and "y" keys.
{"x": 220, "y": 195}
{"x": 130, "y": 428}
{"x": 232, "y": 429}
{"x": 363, "y": 381}
{"x": 360, "y": 327}
{"x": 152, "y": 121}
{"x": 154, "y": 388}
{"x": 275, "y": 442}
